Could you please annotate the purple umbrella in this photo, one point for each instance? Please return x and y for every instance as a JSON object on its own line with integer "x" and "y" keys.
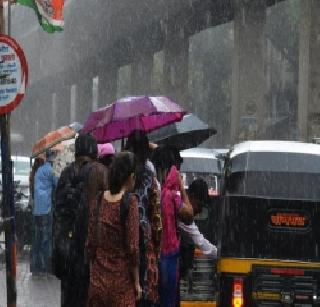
{"x": 144, "y": 113}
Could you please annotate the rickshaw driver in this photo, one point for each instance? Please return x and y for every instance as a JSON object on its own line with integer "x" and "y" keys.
{"x": 198, "y": 197}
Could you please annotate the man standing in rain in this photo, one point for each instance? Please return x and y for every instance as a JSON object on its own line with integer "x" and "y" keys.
{"x": 78, "y": 184}
{"x": 44, "y": 186}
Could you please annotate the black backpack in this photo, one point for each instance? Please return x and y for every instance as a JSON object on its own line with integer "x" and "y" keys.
{"x": 70, "y": 219}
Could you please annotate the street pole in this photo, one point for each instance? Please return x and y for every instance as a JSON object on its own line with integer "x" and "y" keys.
{"x": 8, "y": 200}
{"x": 8, "y": 211}
{"x": 9, "y": 18}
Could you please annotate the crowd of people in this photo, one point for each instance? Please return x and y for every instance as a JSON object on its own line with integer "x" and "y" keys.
{"x": 111, "y": 225}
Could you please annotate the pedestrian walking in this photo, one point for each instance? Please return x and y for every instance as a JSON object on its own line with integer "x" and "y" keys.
{"x": 78, "y": 182}
{"x": 113, "y": 239}
{"x": 147, "y": 189}
{"x": 44, "y": 186}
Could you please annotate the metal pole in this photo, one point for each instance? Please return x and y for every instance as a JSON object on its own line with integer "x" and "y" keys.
{"x": 9, "y": 18}
{"x": 7, "y": 199}
{"x": 8, "y": 211}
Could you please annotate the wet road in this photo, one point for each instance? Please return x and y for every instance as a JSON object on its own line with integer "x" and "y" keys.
{"x": 32, "y": 292}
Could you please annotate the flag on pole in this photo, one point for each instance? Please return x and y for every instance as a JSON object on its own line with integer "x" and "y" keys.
{"x": 49, "y": 13}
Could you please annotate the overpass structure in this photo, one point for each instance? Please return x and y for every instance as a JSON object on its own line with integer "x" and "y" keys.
{"x": 102, "y": 36}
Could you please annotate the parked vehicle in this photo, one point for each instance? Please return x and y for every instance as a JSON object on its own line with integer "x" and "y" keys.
{"x": 21, "y": 170}
{"x": 270, "y": 231}
{"x": 203, "y": 163}
{"x": 23, "y": 219}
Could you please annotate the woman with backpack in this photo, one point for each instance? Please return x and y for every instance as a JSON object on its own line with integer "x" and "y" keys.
{"x": 78, "y": 182}
{"x": 113, "y": 239}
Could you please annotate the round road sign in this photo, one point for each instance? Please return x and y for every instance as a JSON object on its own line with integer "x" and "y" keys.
{"x": 13, "y": 74}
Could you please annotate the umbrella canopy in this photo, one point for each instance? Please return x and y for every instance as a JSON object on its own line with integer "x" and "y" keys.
{"x": 144, "y": 113}
{"x": 188, "y": 133}
{"x": 51, "y": 139}
{"x": 76, "y": 126}
{"x": 274, "y": 169}
{"x": 275, "y": 156}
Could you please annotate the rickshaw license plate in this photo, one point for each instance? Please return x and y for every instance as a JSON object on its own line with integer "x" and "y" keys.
{"x": 289, "y": 286}
{"x": 288, "y": 220}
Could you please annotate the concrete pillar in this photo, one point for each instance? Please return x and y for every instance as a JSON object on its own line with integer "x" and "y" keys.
{"x": 83, "y": 99}
{"x": 108, "y": 81}
{"x": 73, "y": 103}
{"x": 176, "y": 63}
{"x": 36, "y": 131}
{"x": 54, "y": 111}
{"x": 95, "y": 93}
{"x": 44, "y": 111}
{"x": 124, "y": 81}
{"x": 248, "y": 84}
{"x": 63, "y": 106}
{"x": 23, "y": 125}
{"x": 141, "y": 74}
{"x": 309, "y": 71}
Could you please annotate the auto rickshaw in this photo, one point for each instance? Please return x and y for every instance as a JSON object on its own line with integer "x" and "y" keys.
{"x": 269, "y": 240}
{"x": 199, "y": 288}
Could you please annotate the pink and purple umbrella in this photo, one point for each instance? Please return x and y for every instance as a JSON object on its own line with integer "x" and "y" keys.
{"x": 119, "y": 119}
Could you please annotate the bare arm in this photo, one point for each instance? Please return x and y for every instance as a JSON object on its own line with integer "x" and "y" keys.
{"x": 136, "y": 282}
{"x": 186, "y": 211}
{"x": 198, "y": 239}
{"x": 132, "y": 240}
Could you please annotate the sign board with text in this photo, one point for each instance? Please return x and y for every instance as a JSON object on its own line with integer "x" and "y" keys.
{"x": 13, "y": 74}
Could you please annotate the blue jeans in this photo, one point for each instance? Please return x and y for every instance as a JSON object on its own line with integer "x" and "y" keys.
{"x": 42, "y": 244}
{"x": 169, "y": 280}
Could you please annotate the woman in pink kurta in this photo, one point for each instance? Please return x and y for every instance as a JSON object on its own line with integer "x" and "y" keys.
{"x": 174, "y": 204}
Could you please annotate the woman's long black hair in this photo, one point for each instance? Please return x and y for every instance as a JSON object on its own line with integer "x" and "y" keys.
{"x": 163, "y": 158}
{"x": 121, "y": 168}
{"x": 138, "y": 143}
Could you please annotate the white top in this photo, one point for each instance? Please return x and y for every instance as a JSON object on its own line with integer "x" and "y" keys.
{"x": 198, "y": 239}
{"x": 275, "y": 146}
{"x": 151, "y": 167}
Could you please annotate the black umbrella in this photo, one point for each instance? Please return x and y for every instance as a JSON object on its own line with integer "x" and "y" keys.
{"x": 188, "y": 133}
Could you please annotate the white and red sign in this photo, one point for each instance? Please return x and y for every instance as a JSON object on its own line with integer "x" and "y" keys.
{"x": 13, "y": 74}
